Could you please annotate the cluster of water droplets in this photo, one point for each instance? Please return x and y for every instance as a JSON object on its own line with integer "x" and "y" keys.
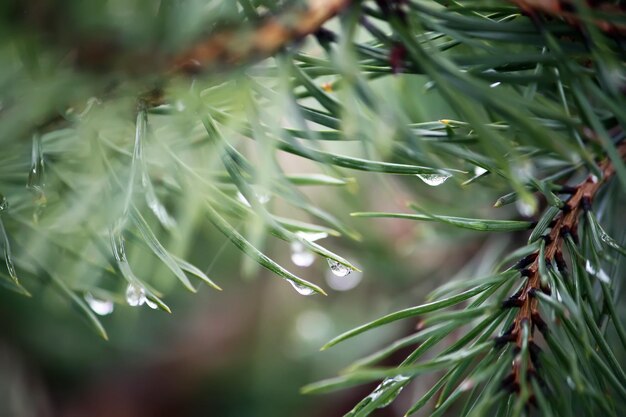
{"x": 136, "y": 296}
{"x": 300, "y": 254}
{"x": 99, "y": 306}
{"x": 433, "y": 179}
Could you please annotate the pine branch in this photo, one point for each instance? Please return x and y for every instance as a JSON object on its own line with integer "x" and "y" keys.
{"x": 565, "y": 225}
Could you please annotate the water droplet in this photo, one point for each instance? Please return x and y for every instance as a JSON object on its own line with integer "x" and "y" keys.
{"x": 100, "y": 307}
{"x": 526, "y": 205}
{"x": 301, "y": 256}
{"x": 301, "y": 288}
{"x": 433, "y": 179}
{"x": 606, "y": 238}
{"x": 151, "y": 304}
{"x": 600, "y": 274}
{"x": 344, "y": 283}
{"x": 135, "y": 295}
{"x": 594, "y": 179}
{"x": 312, "y": 237}
{"x": 390, "y": 399}
{"x": 590, "y": 268}
{"x": 386, "y": 387}
{"x": 493, "y": 85}
{"x": 337, "y": 268}
{"x": 479, "y": 170}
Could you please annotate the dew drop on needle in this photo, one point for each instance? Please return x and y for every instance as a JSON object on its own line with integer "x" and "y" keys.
{"x": 100, "y": 307}
{"x": 338, "y": 269}
{"x": 301, "y": 256}
{"x": 301, "y": 288}
{"x": 433, "y": 179}
{"x": 135, "y": 295}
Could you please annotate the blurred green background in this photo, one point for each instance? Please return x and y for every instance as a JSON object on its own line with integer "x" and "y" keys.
{"x": 246, "y": 351}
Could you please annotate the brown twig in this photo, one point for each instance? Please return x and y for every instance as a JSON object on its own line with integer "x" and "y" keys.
{"x": 234, "y": 47}
{"x": 566, "y": 223}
